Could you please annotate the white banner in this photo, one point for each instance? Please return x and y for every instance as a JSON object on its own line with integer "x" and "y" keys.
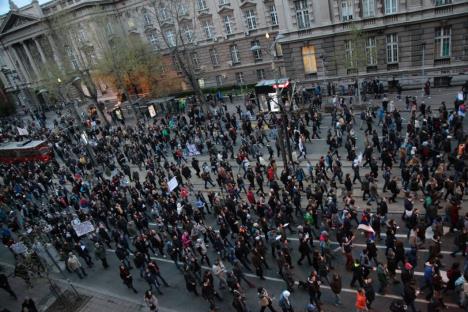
{"x": 173, "y": 184}
{"x": 83, "y": 228}
{"x": 192, "y": 150}
{"x": 22, "y": 131}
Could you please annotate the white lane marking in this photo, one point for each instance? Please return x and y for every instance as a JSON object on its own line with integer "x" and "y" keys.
{"x": 348, "y": 290}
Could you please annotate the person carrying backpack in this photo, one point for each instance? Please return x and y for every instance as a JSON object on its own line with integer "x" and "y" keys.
{"x": 285, "y": 303}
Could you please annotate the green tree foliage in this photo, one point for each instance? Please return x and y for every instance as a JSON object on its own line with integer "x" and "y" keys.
{"x": 129, "y": 63}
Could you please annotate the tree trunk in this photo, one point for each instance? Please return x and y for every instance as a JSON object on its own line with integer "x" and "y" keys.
{"x": 192, "y": 79}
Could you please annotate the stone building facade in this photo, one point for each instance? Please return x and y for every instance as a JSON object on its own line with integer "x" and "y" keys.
{"x": 238, "y": 42}
{"x": 409, "y": 40}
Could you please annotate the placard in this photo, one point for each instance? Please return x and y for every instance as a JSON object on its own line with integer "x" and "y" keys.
{"x": 173, "y": 184}
{"x": 192, "y": 150}
{"x": 274, "y": 106}
{"x": 83, "y": 228}
{"x": 151, "y": 111}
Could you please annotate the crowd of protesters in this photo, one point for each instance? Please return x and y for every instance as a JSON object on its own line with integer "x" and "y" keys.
{"x": 247, "y": 205}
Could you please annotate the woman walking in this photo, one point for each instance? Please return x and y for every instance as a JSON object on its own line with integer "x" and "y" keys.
{"x": 151, "y": 301}
{"x": 361, "y": 301}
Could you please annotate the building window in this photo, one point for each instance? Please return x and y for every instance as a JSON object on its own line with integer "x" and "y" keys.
{"x": 219, "y": 80}
{"x": 208, "y": 29}
{"x": 164, "y": 14}
{"x": 109, "y": 29}
{"x": 368, "y": 8}
{"x": 346, "y": 10}
{"x": 240, "y": 78}
{"x": 256, "y": 50}
{"x": 201, "y": 5}
{"x": 188, "y": 33}
{"x": 153, "y": 40}
{"x": 251, "y": 19}
{"x": 81, "y": 35}
{"x": 228, "y": 24}
{"x": 201, "y": 82}
{"x": 170, "y": 38}
{"x": 302, "y": 14}
{"x": 465, "y": 45}
{"x": 392, "y": 49}
{"x": 443, "y": 42}
{"x": 371, "y": 51}
{"x": 72, "y": 57}
{"x": 195, "y": 60}
{"x": 349, "y": 54}
{"x": 235, "y": 55}
{"x": 278, "y": 50}
{"x": 214, "y": 57}
{"x": 443, "y": 2}
{"x": 147, "y": 19}
{"x": 309, "y": 60}
{"x": 391, "y": 6}
{"x": 273, "y": 15}
{"x": 182, "y": 9}
{"x": 260, "y": 74}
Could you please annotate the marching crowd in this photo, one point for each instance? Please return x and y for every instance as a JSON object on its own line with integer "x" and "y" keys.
{"x": 248, "y": 207}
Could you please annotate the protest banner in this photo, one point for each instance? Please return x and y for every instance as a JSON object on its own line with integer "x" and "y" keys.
{"x": 83, "y": 228}
{"x": 173, "y": 184}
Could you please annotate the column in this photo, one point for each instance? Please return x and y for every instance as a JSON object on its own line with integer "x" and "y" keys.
{"x": 39, "y": 48}
{"x": 54, "y": 50}
{"x": 21, "y": 68}
{"x": 30, "y": 58}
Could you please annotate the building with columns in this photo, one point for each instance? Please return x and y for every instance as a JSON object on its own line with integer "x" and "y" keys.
{"x": 309, "y": 41}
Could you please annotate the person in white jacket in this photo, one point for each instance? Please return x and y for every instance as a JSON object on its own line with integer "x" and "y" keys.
{"x": 151, "y": 301}
{"x": 219, "y": 270}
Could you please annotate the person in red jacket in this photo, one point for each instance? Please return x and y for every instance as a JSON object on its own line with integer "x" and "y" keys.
{"x": 361, "y": 301}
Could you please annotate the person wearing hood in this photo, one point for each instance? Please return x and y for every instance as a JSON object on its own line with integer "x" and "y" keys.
{"x": 407, "y": 274}
{"x": 265, "y": 300}
{"x": 285, "y": 303}
{"x": 370, "y": 292}
{"x": 336, "y": 286}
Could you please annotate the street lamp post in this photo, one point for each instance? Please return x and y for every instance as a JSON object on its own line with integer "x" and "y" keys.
{"x": 423, "y": 46}
{"x": 81, "y": 128}
{"x": 283, "y": 134}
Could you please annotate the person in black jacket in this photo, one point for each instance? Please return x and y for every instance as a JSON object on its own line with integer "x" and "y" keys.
{"x": 370, "y": 292}
{"x": 409, "y": 295}
{"x": 357, "y": 274}
{"x": 304, "y": 249}
{"x": 238, "y": 302}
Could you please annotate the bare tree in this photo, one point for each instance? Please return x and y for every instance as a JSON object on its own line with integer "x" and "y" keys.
{"x": 358, "y": 54}
{"x": 126, "y": 61}
{"x": 73, "y": 60}
{"x": 177, "y": 27}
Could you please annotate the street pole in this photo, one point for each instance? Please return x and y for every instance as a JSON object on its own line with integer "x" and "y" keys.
{"x": 423, "y": 45}
{"x": 285, "y": 123}
{"x": 82, "y": 130}
{"x": 283, "y": 134}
